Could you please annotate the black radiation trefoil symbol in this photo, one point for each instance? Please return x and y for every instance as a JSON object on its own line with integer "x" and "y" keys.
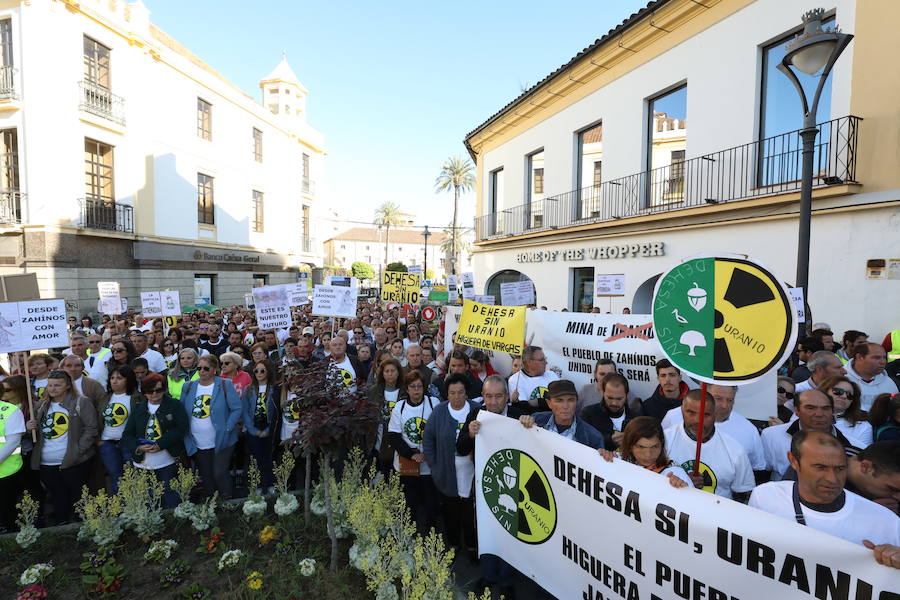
{"x": 744, "y": 290}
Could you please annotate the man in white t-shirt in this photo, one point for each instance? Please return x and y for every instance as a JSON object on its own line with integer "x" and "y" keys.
{"x": 818, "y": 498}
{"x": 724, "y": 467}
{"x": 528, "y": 387}
{"x": 729, "y": 422}
{"x": 155, "y": 360}
{"x": 345, "y": 367}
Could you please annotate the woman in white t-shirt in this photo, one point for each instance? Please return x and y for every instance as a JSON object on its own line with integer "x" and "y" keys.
{"x": 412, "y": 336}
{"x": 114, "y": 412}
{"x": 848, "y": 416}
{"x": 644, "y": 445}
{"x": 406, "y": 435}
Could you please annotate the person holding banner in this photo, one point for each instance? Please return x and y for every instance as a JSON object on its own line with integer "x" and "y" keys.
{"x": 215, "y": 410}
{"x": 261, "y": 418}
{"x": 611, "y": 416}
{"x": 562, "y": 399}
{"x": 818, "y": 498}
{"x": 67, "y": 440}
{"x": 451, "y": 472}
{"x": 643, "y": 444}
{"x": 405, "y": 435}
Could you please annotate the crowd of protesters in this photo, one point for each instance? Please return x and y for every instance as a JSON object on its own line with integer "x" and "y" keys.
{"x": 210, "y": 392}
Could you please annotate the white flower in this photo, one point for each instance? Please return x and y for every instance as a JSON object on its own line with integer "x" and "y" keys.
{"x": 184, "y": 510}
{"x": 363, "y": 556}
{"x": 317, "y": 506}
{"x": 286, "y": 504}
{"x": 230, "y": 559}
{"x": 307, "y": 566}
{"x": 27, "y": 536}
{"x": 35, "y": 573}
{"x": 386, "y": 591}
{"x": 341, "y": 530}
{"x": 254, "y": 508}
{"x": 160, "y": 550}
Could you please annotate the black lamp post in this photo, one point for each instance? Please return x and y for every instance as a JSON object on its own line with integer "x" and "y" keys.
{"x": 814, "y": 49}
{"x": 425, "y": 234}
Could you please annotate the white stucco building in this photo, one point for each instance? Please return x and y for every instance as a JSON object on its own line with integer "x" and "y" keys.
{"x": 674, "y": 134}
{"x": 367, "y": 244}
{"x": 129, "y": 159}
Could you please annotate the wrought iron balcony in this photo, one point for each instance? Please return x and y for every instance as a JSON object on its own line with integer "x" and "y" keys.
{"x": 309, "y": 187}
{"x": 8, "y": 83}
{"x": 763, "y": 168}
{"x": 99, "y": 100}
{"x": 308, "y": 245}
{"x": 11, "y": 207}
{"x": 100, "y": 213}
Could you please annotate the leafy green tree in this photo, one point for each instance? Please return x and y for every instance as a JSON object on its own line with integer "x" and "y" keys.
{"x": 457, "y": 174}
{"x": 387, "y": 215}
{"x": 362, "y": 270}
{"x": 429, "y": 274}
{"x": 396, "y": 266}
{"x": 456, "y": 242}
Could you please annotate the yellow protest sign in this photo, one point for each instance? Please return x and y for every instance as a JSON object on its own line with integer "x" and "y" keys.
{"x": 499, "y": 328}
{"x": 397, "y": 286}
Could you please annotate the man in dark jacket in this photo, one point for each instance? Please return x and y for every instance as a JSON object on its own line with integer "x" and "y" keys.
{"x": 612, "y": 414}
{"x": 669, "y": 393}
{"x": 562, "y": 397}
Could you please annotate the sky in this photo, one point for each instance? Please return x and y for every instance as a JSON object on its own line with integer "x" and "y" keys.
{"x": 394, "y": 86}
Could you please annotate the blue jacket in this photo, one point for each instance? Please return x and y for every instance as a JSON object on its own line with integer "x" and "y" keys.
{"x": 439, "y": 447}
{"x": 584, "y": 433}
{"x": 225, "y": 412}
{"x": 273, "y": 404}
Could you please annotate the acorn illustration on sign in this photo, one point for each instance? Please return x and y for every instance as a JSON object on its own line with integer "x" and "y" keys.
{"x": 692, "y": 339}
{"x": 697, "y": 298}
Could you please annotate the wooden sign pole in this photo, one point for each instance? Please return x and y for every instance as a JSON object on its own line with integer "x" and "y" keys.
{"x": 30, "y": 401}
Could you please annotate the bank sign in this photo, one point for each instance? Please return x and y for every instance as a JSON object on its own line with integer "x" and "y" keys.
{"x": 588, "y": 529}
{"x": 642, "y": 250}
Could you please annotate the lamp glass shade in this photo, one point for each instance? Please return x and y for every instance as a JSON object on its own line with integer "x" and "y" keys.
{"x": 813, "y": 57}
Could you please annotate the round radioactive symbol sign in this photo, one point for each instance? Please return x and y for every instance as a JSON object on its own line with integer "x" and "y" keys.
{"x": 723, "y": 319}
{"x": 519, "y": 496}
{"x": 710, "y": 481}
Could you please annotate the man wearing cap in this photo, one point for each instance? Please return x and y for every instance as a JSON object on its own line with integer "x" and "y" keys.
{"x": 562, "y": 398}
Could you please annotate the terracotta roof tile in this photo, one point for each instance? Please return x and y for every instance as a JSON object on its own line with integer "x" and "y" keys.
{"x": 399, "y": 236}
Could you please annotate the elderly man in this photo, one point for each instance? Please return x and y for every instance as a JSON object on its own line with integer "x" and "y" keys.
{"x": 724, "y": 467}
{"x": 529, "y": 386}
{"x": 866, "y": 368}
{"x": 414, "y": 362}
{"x": 90, "y": 388}
{"x": 819, "y": 500}
{"x": 815, "y": 412}
{"x": 381, "y": 338}
{"x": 97, "y": 357}
{"x": 822, "y": 365}
{"x": 94, "y": 367}
{"x": 346, "y": 367}
{"x": 562, "y": 399}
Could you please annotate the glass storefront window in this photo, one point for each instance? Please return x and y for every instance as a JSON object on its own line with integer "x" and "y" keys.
{"x": 583, "y": 289}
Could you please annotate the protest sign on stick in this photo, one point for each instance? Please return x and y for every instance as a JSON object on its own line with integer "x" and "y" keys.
{"x": 397, "y": 286}
{"x": 272, "y": 310}
{"x": 497, "y": 328}
{"x": 334, "y": 301}
{"x": 110, "y": 299}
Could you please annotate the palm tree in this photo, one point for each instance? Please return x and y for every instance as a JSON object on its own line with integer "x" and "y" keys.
{"x": 387, "y": 215}
{"x": 456, "y": 239}
{"x": 458, "y": 174}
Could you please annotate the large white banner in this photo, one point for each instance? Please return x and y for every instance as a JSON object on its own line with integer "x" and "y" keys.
{"x": 334, "y": 301}
{"x": 33, "y": 325}
{"x": 587, "y": 529}
{"x": 272, "y": 311}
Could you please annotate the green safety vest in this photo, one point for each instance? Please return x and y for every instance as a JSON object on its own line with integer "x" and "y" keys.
{"x": 894, "y": 354}
{"x": 103, "y": 352}
{"x": 175, "y": 385}
{"x": 14, "y": 462}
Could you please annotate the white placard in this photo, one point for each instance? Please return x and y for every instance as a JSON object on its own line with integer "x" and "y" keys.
{"x": 468, "y": 286}
{"x": 33, "y": 325}
{"x": 591, "y": 527}
{"x": 799, "y": 303}
{"x": 485, "y": 299}
{"x": 122, "y": 307}
{"x": 272, "y": 310}
{"x": 298, "y": 293}
{"x": 415, "y": 269}
{"x": 609, "y": 285}
{"x": 110, "y": 300}
{"x": 517, "y": 293}
{"x": 452, "y": 289}
{"x": 171, "y": 303}
{"x": 334, "y": 301}
{"x": 151, "y": 304}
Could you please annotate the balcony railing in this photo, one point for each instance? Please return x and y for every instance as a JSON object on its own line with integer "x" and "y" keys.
{"x": 8, "y": 83}
{"x": 762, "y": 168}
{"x": 100, "y": 213}
{"x": 99, "y": 100}
{"x": 308, "y": 245}
{"x": 11, "y": 207}
{"x": 309, "y": 187}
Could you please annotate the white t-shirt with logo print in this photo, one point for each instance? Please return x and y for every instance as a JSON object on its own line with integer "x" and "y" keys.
{"x": 201, "y": 422}
{"x": 465, "y": 468}
{"x": 346, "y": 373}
{"x": 114, "y": 417}
{"x": 152, "y": 432}
{"x": 55, "y": 429}
{"x": 531, "y": 389}
{"x": 39, "y": 386}
{"x": 290, "y": 417}
{"x": 724, "y": 462}
{"x": 409, "y": 421}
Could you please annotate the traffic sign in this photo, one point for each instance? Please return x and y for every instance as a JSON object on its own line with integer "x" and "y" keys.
{"x": 724, "y": 319}
{"x": 428, "y": 314}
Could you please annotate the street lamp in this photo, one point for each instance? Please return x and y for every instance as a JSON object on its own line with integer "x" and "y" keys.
{"x": 814, "y": 49}
{"x": 425, "y": 234}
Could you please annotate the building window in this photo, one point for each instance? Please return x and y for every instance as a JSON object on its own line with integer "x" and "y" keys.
{"x": 204, "y": 289}
{"x": 6, "y": 51}
{"x": 304, "y": 228}
{"x": 206, "y": 208}
{"x": 780, "y": 157}
{"x": 582, "y": 289}
{"x": 539, "y": 181}
{"x": 9, "y": 161}
{"x": 305, "y": 172}
{"x": 534, "y": 193}
{"x": 598, "y": 173}
{"x": 98, "y": 171}
{"x": 666, "y": 135}
{"x": 257, "y": 212}
{"x": 204, "y": 119}
{"x": 506, "y": 276}
{"x": 257, "y": 145}
{"x": 96, "y": 63}
{"x": 495, "y": 198}
{"x": 260, "y": 280}
{"x": 273, "y": 108}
